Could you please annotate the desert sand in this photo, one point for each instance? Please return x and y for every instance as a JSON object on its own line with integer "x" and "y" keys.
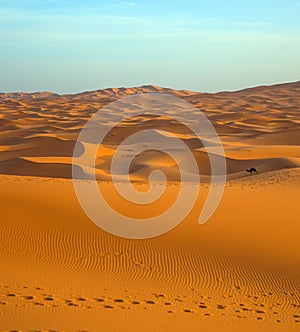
{"x": 237, "y": 272}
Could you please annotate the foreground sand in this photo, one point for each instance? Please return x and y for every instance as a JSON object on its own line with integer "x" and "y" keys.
{"x": 240, "y": 271}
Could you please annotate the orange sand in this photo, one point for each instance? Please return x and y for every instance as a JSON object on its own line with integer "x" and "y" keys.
{"x": 238, "y": 272}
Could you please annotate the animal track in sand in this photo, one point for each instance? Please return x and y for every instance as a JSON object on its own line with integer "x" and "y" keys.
{"x": 260, "y": 307}
{"x": 99, "y": 299}
{"x": 81, "y": 299}
{"x": 48, "y": 299}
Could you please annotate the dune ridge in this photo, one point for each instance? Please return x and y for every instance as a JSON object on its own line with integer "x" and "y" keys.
{"x": 45, "y": 124}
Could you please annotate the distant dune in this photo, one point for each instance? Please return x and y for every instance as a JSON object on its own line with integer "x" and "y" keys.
{"x": 253, "y": 124}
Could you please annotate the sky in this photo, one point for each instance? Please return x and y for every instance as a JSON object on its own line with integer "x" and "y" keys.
{"x": 216, "y": 45}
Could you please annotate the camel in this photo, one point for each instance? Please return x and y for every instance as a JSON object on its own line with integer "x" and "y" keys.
{"x": 252, "y": 170}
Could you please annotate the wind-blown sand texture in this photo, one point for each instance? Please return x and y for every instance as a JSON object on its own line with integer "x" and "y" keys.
{"x": 238, "y": 272}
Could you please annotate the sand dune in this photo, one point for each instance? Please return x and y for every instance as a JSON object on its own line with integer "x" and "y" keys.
{"x": 47, "y": 124}
{"x": 58, "y": 264}
{"x": 238, "y": 272}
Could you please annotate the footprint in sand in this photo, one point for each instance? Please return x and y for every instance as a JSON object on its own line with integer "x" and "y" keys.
{"x": 82, "y": 299}
{"x": 119, "y": 300}
{"x": 260, "y": 311}
{"x": 48, "y": 298}
{"x": 221, "y": 307}
{"x": 246, "y": 309}
{"x": 202, "y": 306}
{"x": 99, "y": 299}
{"x": 71, "y": 304}
{"x": 108, "y": 307}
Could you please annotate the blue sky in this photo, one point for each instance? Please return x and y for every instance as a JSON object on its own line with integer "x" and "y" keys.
{"x": 71, "y": 46}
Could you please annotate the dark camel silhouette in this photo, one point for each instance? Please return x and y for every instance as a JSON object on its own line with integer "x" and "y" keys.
{"x": 252, "y": 170}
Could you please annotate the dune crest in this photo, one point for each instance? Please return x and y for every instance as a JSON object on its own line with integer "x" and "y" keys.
{"x": 44, "y": 125}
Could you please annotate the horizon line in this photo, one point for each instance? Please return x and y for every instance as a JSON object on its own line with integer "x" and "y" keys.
{"x": 152, "y": 86}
